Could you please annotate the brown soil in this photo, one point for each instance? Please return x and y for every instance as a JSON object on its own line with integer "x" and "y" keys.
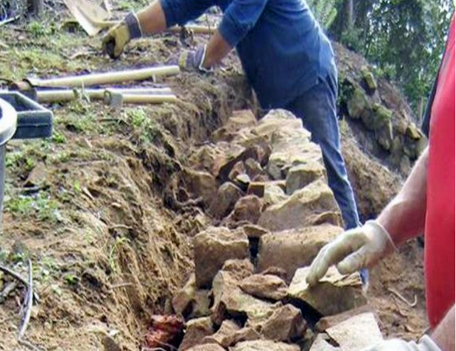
{"x": 107, "y": 253}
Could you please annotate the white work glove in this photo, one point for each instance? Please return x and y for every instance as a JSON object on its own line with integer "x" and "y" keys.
{"x": 425, "y": 344}
{"x": 357, "y": 248}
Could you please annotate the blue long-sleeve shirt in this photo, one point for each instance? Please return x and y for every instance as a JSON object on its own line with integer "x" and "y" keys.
{"x": 281, "y": 46}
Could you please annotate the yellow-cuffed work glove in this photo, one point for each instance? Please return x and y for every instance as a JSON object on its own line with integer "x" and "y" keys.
{"x": 352, "y": 250}
{"x": 425, "y": 344}
{"x": 118, "y": 37}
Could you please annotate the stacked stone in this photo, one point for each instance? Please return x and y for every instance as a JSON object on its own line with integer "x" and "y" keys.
{"x": 265, "y": 184}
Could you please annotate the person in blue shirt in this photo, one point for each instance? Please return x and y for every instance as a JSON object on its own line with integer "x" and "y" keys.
{"x": 287, "y": 59}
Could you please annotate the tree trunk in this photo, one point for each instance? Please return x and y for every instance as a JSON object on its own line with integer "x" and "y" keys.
{"x": 350, "y": 13}
{"x": 35, "y": 7}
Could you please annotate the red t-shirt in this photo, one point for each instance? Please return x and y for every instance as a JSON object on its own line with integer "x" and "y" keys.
{"x": 440, "y": 225}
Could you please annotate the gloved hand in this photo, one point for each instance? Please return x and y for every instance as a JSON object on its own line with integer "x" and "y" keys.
{"x": 425, "y": 344}
{"x": 357, "y": 248}
{"x": 117, "y": 37}
{"x": 193, "y": 60}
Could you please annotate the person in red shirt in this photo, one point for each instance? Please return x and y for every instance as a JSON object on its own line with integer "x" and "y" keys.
{"x": 426, "y": 203}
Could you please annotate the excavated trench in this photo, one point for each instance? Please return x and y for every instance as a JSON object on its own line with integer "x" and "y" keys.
{"x": 194, "y": 195}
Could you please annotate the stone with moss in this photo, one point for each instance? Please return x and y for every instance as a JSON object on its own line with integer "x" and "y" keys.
{"x": 369, "y": 78}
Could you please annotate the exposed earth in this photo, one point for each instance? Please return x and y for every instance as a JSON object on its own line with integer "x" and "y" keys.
{"x": 107, "y": 214}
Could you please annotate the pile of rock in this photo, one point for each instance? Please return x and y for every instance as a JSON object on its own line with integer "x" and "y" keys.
{"x": 265, "y": 184}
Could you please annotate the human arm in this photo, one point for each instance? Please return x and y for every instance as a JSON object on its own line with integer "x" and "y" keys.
{"x": 443, "y": 335}
{"x": 363, "y": 247}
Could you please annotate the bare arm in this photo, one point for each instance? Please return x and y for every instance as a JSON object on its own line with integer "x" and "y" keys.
{"x": 404, "y": 217}
{"x": 444, "y": 333}
{"x": 152, "y": 19}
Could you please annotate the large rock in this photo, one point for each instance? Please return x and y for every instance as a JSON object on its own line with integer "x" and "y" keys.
{"x": 197, "y": 329}
{"x": 213, "y": 247}
{"x": 239, "y": 269}
{"x": 302, "y": 175}
{"x": 268, "y": 287}
{"x": 230, "y": 300}
{"x": 277, "y": 120}
{"x": 225, "y": 199}
{"x": 334, "y": 294}
{"x": 274, "y": 194}
{"x": 225, "y": 336}
{"x": 294, "y": 248}
{"x": 247, "y": 209}
{"x": 239, "y": 120}
{"x": 201, "y": 184}
{"x": 285, "y": 324}
{"x": 264, "y": 345}
{"x": 356, "y": 333}
{"x": 330, "y": 321}
{"x": 315, "y": 204}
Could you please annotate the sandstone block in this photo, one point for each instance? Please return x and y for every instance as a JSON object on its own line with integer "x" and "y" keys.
{"x": 273, "y": 194}
{"x": 285, "y": 324}
{"x": 264, "y": 345}
{"x": 201, "y": 184}
{"x": 239, "y": 120}
{"x": 183, "y": 298}
{"x": 225, "y": 336}
{"x": 268, "y": 287}
{"x": 330, "y": 321}
{"x": 239, "y": 269}
{"x": 197, "y": 329}
{"x": 247, "y": 209}
{"x": 207, "y": 347}
{"x": 225, "y": 199}
{"x": 334, "y": 294}
{"x": 320, "y": 344}
{"x": 230, "y": 300}
{"x": 258, "y": 187}
{"x": 356, "y": 333}
{"x": 213, "y": 247}
{"x": 304, "y": 208}
{"x": 292, "y": 249}
{"x": 302, "y": 175}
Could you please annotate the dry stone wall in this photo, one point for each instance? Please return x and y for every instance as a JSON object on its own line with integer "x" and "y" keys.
{"x": 263, "y": 183}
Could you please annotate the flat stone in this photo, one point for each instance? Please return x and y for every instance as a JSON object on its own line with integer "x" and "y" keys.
{"x": 254, "y": 231}
{"x": 334, "y": 294}
{"x": 225, "y": 199}
{"x": 230, "y": 300}
{"x": 320, "y": 344}
{"x": 356, "y": 333}
{"x": 264, "y": 345}
{"x": 213, "y": 247}
{"x": 243, "y": 181}
{"x": 304, "y": 208}
{"x": 330, "y": 321}
{"x": 197, "y": 329}
{"x": 292, "y": 249}
{"x": 302, "y": 175}
{"x": 248, "y": 209}
{"x": 276, "y": 120}
{"x": 207, "y": 347}
{"x": 268, "y": 287}
{"x": 285, "y": 324}
{"x": 225, "y": 336}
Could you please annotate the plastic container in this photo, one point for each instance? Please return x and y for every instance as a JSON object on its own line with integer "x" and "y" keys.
{"x": 20, "y": 118}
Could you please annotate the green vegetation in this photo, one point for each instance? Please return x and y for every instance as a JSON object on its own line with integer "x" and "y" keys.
{"x": 404, "y": 39}
{"x": 41, "y": 206}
